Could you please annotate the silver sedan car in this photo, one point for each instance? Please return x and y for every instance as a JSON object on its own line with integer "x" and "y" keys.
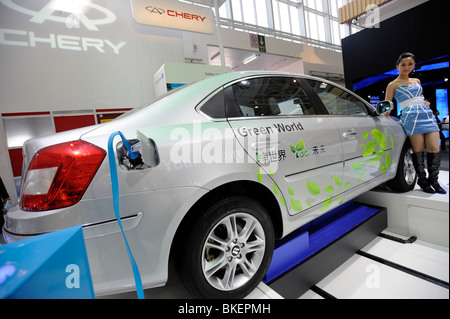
{"x": 209, "y": 175}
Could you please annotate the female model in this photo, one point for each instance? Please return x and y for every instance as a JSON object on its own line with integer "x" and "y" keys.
{"x": 418, "y": 122}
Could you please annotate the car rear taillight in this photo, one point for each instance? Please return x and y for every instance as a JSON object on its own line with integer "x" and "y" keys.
{"x": 59, "y": 175}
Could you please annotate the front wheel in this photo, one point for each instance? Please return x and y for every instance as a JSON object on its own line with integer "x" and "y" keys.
{"x": 228, "y": 250}
{"x": 406, "y": 177}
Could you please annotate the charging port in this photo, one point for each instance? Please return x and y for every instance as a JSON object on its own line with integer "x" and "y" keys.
{"x": 146, "y": 150}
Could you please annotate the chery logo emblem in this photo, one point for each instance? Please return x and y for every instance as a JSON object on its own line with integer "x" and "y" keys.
{"x": 155, "y": 10}
{"x": 46, "y": 13}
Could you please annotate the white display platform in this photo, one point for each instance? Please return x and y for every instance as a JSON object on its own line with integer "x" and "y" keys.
{"x": 415, "y": 213}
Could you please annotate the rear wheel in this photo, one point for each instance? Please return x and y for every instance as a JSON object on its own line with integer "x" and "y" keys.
{"x": 228, "y": 250}
{"x": 406, "y": 177}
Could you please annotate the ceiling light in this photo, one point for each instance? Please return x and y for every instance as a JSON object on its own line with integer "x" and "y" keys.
{"x": 251, "y": 58}
{"x": 215, "y": 55}
{"x": 70, "y": 6}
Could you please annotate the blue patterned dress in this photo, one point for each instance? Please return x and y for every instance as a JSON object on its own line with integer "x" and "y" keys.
{"x": 416, "y": 118}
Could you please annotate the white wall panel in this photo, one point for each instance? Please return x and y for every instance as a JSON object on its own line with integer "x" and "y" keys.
{"x": 56, "y": 64}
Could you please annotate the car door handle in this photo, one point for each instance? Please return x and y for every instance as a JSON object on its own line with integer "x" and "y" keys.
{"x": 350, "y": 134}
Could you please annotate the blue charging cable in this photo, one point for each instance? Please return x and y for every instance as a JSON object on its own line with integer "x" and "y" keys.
{"x": 115, "y": 191}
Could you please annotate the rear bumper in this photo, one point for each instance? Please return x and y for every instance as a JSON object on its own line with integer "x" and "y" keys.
{"x": 150, "y": 225}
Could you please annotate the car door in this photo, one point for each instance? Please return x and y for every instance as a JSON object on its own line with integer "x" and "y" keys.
{"x": 279, "y": 127}
{"x": 367, "y": 146}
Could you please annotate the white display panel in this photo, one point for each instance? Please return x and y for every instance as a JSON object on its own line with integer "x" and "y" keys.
{"x": 18, "y": 130}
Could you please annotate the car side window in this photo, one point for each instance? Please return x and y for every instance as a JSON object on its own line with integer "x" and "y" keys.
{"x": 269, "y": 96}
{"x": 215, "y": 107}
{"x": 337, "y": 101}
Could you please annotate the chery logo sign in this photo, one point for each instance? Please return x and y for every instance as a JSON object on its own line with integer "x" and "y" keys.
{"x": 47, "y": 13}
{"x": 175, "y": 14}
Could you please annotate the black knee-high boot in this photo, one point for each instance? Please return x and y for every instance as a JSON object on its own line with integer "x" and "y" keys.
{"x": 419, "y": 165}
{"x": 434, "y": 162}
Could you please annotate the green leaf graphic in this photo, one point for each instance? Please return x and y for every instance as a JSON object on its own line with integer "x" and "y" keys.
{"x": 379, "y": 137}
{"x": 388, "y": 160}
{"x": 356, "y": 167}
{"x": 327, "y": 203}
{"x": 292, "y": 148}
{"x": 379, "y": 153}
{"x": 313, "y": 188}
{"x": 283, "y": 202}
{"x": 300, "y": 146}
{"x": 259, "y": 176}
{"x": 376, "y": 160}
{"x": 291, "y": 191}
{"x": 275, "y": 189}
{"x": 362, "y": 176}
{"x": 337, "y": 181}
{"x": 369, "y": 148}
{"x": 296, "y": 205}
{"x": 329, "y": 189}
{"x": 365, "y": 135}
{"x": 346, "y": 185}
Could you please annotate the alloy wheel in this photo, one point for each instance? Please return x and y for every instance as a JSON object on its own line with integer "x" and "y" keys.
{"x": 233, "y": 251}
{"x": 409, "y": 171}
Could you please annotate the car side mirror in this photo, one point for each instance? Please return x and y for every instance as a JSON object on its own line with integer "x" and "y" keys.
{"x": 384, "y": 106}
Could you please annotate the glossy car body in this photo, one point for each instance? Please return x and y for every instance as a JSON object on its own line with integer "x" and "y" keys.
{"x": 297, "y": 145}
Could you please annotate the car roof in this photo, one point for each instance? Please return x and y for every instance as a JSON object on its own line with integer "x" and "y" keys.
{"x": 176, "y": 106}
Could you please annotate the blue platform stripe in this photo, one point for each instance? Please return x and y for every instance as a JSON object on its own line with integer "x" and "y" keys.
{"x": 115, "y": 191}
{"x": 317, "y": 235}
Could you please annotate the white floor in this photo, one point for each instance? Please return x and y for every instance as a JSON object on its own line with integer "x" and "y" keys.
{"x": 415, "y": 213}
{"x": 363, "y": 278}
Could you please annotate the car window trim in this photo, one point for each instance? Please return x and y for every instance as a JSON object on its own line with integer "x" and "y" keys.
{"x": 274, "y": 117}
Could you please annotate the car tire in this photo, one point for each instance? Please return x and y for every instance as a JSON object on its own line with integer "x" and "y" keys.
{"x": 406, "y": 176}
{"x": 228, "y": 250}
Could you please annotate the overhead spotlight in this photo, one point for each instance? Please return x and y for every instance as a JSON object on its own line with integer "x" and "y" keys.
{"x": 251, "y": 58}
{"x": 72, "y": 6}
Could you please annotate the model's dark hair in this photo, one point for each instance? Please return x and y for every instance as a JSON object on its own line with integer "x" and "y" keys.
{"x": 405, "y": 56}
